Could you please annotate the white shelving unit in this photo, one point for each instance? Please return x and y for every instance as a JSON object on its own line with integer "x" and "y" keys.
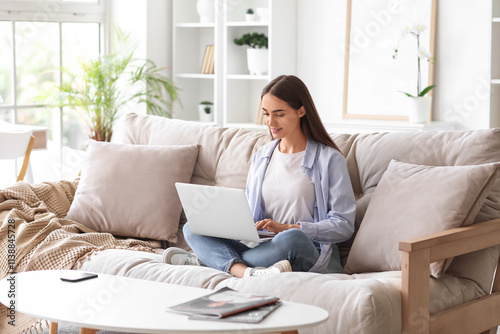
{"x": 235, "y": 93}
{"x": 190, "y": 38}
{"x": 495, "y": 65}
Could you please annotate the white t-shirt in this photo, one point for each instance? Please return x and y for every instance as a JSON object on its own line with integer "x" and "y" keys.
{"x": 287, "y": 193}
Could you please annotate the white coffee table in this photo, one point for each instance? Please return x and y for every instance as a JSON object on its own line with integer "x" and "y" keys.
{"x": 132, "y": 305}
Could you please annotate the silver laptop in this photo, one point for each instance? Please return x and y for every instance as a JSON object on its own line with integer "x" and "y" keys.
{"x": 219, "y": 212}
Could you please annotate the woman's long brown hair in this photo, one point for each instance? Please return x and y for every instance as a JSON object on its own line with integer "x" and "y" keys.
{"x": 293, "y": 91}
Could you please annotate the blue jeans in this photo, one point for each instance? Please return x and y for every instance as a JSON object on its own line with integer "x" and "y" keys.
{"x": 219, "y": 253}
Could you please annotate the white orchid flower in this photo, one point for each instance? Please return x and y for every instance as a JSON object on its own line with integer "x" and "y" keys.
{"x": 405, "y": 31}
{"x": 423, "y": 53}
{"x": 418, "y": 28}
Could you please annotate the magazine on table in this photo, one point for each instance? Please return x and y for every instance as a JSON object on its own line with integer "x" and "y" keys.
{"x": 230, "y": 305}
{"x": 254, "y": 315}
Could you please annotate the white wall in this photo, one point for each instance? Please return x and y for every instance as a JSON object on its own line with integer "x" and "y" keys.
{"x": 463, "y": 63}
{"x": 130, "y": 16}
{"x": 320, "y": 53}
{"x": 150, "y": 22}
{"x": 462, "y": 70}
{"x": 159, "y": 33}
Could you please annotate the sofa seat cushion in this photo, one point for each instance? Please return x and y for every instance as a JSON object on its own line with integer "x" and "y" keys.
{"x": 360, "y": 303}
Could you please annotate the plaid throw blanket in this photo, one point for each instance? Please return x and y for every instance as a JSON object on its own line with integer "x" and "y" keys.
{"x": 35, "y": 236}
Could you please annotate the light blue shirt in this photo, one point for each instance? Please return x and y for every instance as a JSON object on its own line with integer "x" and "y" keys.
{"x": 334, "y": 206}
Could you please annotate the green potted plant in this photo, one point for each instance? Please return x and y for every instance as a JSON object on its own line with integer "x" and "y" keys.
{"x": 257, "y": 53}
{"x": 206, "y": 112}
{"x": 107, "y": 83}
{"x": 420, "y": 103}
{"x": 249, "y": 16}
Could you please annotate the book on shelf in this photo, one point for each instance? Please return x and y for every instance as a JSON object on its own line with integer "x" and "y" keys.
{"x": 207, "y": 64}
{"x": 205, "y": 60}
{"x": 211, "y": 60}
{"x": 227, "y": 304}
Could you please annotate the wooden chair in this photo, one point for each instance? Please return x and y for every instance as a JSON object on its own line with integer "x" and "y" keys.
{"x": 17, "y": 144}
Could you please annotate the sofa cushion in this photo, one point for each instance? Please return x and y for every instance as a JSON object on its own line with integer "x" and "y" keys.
{"x": 369, "y": 154}
{"x": 362, "y": 303}
{"x": 412, "y": 201}
{"x": 224, "y": 156}
{"x": 128, "y": 190}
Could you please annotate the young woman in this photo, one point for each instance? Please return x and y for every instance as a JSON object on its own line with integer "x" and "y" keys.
{"x": 297, "y": 186}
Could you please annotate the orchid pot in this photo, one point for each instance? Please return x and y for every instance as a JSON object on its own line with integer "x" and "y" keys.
{"x": 419, "y": 109}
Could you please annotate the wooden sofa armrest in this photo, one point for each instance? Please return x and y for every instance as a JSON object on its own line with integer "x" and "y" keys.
{"x": 476, "y": 316}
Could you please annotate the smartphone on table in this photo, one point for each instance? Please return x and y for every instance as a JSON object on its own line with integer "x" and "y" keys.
{"x": 78, "y": 277}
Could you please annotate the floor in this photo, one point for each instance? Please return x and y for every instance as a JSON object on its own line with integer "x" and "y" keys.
{"x": 69, "y": 329}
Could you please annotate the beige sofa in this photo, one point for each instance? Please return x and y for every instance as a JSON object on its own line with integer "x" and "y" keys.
{"x": 392, "y": 300}
{"x": 461, "y": 300}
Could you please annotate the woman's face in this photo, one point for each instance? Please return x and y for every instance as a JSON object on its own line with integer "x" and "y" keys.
{"x": 282, "y": 120}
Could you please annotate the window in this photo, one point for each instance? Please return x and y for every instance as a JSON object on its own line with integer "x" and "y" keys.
{"x": 36, "y": 39}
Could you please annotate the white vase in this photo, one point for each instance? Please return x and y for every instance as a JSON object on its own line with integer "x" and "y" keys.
{"x": 263, "y": 14}
{"x": 249, "y": 17}
{"x": 419, "y": 109}
{"x": 204, "y": 116}
{"x": 206, "y": 10}
{"x": 257, "y": 61}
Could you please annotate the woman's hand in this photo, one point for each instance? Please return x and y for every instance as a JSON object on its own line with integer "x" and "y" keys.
{"x": 272, "y": 226}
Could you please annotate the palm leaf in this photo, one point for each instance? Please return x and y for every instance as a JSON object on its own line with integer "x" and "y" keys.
{"x": 106, "y": 83}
